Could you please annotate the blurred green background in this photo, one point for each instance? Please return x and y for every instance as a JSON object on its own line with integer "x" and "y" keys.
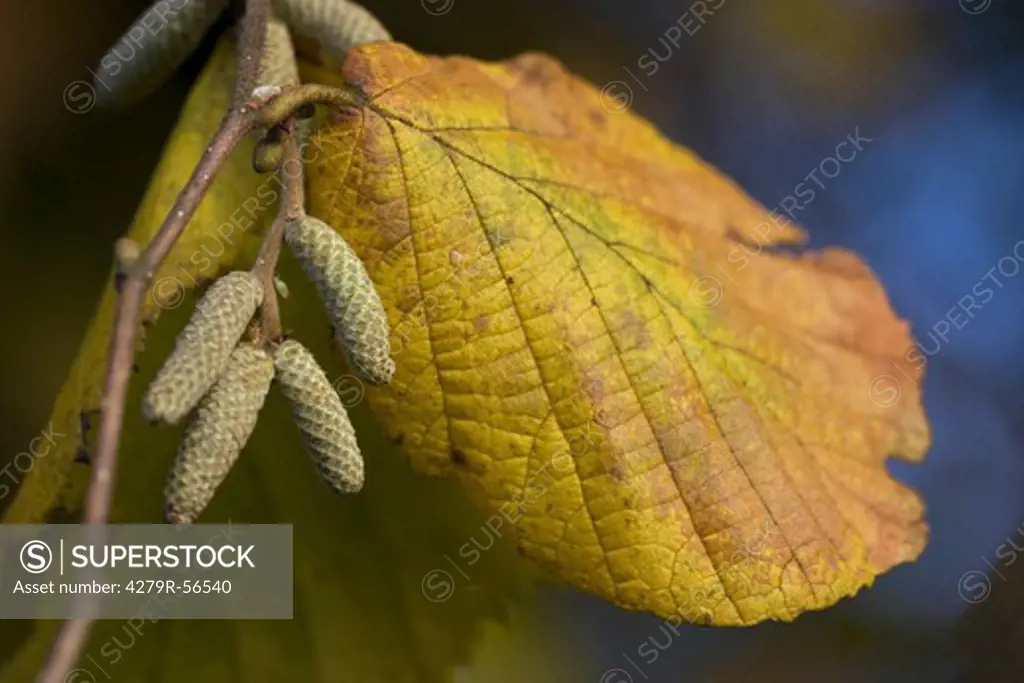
{"x": 762, "y": 88}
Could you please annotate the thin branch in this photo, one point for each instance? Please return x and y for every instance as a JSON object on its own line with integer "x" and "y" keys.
{"x": 74, "y": 633}
{"x": 134, "y": 279}
{"x": 292, "y": 206}
{"x": 295, "y": 183}
{"x": 235, "y": 127}
{"x": 250, "y": 49}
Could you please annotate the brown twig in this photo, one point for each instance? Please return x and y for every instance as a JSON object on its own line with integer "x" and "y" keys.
{"x": 134, "y": 278}
{"x": 292, "y": 206}
{"x": 250, "y": 50}
{"x": 74, "y": 633}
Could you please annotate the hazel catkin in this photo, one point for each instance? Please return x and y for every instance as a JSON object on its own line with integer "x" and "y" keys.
{"x": 203, "y": 347}
{"x": 320, "y": 416}
{"x": 219, "y": 430}
{"x": 360, "y": 322}
{"x": 278, "y": 65}
{"x": 153, "y": 48}
{"x": 336, "y": 24}
{"x": 279, "y": 69}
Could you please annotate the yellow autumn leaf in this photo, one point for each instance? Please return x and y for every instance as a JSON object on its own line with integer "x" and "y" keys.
{"x": 361, "y": 612}
{"x": 613, "y": 347}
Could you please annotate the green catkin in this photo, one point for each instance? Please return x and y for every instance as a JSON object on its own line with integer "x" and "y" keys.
{"x": 219, "y": 430}
{"x": 336, "y": 24}
{"x": 360, "y": 323}
{"x": 153, "y": 49}
{"x": 203, "y": 347}
{"x": 279, "y": 69}
{"x": 320, "y": 416}
{"x": 278, "y": 65}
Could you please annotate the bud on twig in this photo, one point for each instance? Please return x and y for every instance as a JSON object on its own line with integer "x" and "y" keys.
{"x": 219, "y": 430}
{"x": 360, "y": 323}
{"x": 127, "y": 253}
{"x": 203, "y": 347}
{"x": 267, "y": 153}
{"x": 320, "y": 416}
{"x": 281, "y": 286}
